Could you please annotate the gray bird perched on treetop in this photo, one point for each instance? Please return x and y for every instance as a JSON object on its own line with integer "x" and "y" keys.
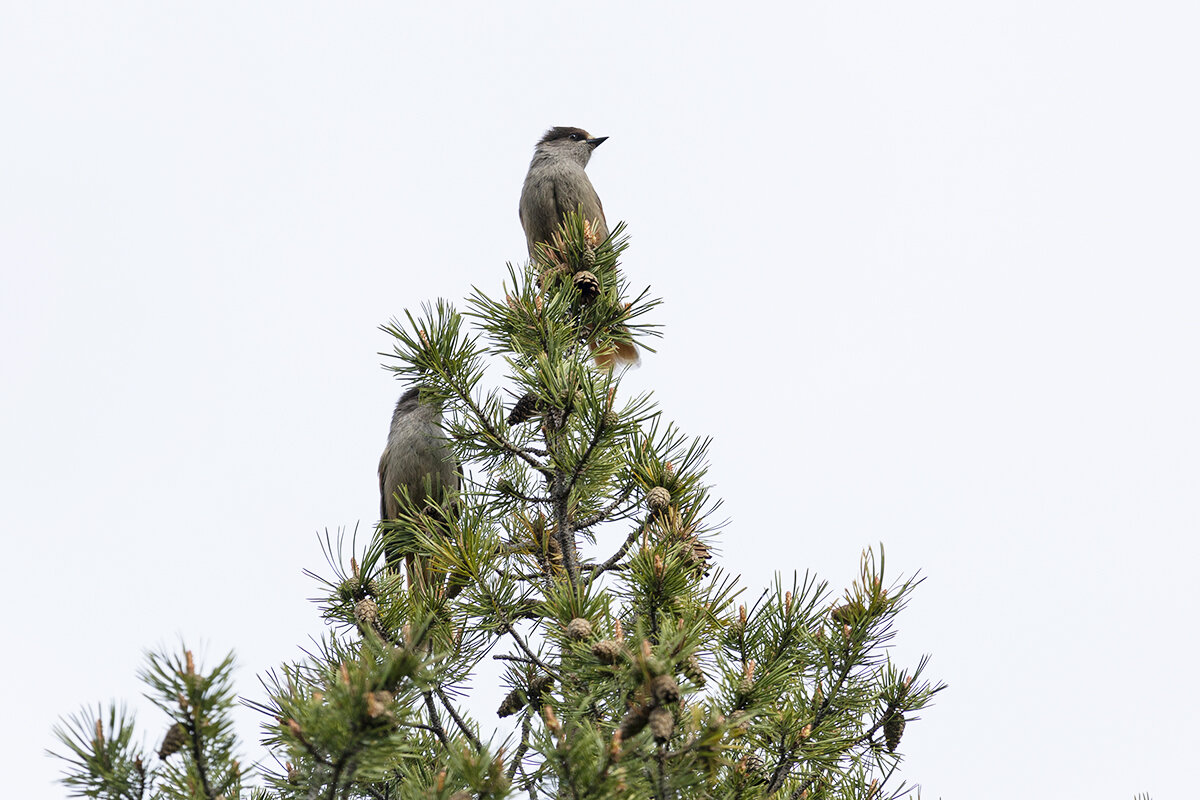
{"x": 556, "y": 185}
{"x": 417, "y": 460}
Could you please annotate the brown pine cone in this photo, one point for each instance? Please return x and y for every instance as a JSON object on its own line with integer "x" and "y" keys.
{"x": 662, "y": 723}
{"x": 588, "y": 286}
{"x": 525, "y": 409}
{"x": 174, "y": 741}
{"x": 579, "y": 629}
{"x": 665, "y": 689}
{"x": 632, "y": 723}
{"x": 607, "y": 651}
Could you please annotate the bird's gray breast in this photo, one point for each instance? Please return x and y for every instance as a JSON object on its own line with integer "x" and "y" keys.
{"x": 553, "y": 189}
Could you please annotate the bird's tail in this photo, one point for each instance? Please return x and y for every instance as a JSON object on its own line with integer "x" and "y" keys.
{"x": 615, "y": 354}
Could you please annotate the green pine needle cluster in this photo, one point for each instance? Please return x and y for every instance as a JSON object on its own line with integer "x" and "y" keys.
{"x": 579, "y": 555}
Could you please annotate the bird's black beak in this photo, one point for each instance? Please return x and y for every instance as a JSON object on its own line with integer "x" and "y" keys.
{"x": 599, "y": 140}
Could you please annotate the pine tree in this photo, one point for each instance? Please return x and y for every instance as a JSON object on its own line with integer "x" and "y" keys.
{"x": 632, "y": 672}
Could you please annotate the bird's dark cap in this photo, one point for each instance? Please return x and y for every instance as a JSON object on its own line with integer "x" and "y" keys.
{"x": 560, "y": 132}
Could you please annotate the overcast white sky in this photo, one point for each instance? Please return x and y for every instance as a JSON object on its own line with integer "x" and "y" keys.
{"x": 930, "y": 279}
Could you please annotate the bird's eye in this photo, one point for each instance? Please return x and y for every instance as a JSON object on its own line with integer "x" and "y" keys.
{"x": 574, "y": 137}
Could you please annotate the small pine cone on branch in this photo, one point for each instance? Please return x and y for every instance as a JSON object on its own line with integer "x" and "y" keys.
{"x": 366, "y": 613}
{"x": 658, "y": 498}
{"x": 537, "y": 686}
{"x": 350, "y": 589}
{"x": 753, "y": 767}
{"x": 588, "y": 259}
{"x": 607, "y": 651}
{"x": 588, "y": 286}
{"x": 525, "y": 409}
{"x": 893, "y": 729}
{"x": 665, "y": 689}
{"x": 579, "y": 629}
{"x": 698, "y": 554}
{"x": 513, "y": 702}
{"x": 174, "y": 741}
{"x": 692, "y": 670}
{"x": 662, "y": 723}
{"x": 843, "y": 614}
{"x": 632, "y": 723}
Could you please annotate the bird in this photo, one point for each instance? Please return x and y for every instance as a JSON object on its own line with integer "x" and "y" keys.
{"x": 418, "y": 462}
{"x": 557, "y": 184}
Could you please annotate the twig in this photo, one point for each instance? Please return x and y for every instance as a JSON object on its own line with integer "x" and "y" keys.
{"x": 499, "y": 439}
{"x": 197, "y": 750}
{"x": 623, "y": 549}
{"x": 526, "y": 725}
{"x": 583, "y": 459}
{"x": 487, "y": 426}
{"x": 662, "y": 773}
{"x": 784, "y": 766}
{"x": 529, "y": 787}
{"x": 434, "y": 722}
{"x": 602, "y": 515}
{"x": 518, "y": 659}
{"x": 462, "y": 726}
{"x": 532, "y": 656}
{"x": 526, "y": 498}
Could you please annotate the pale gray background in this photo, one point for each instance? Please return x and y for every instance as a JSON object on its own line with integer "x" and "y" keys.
{"x": 930, "y": 280}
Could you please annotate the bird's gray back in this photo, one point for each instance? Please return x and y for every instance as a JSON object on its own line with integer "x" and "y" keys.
{"x": 416, "y": 448}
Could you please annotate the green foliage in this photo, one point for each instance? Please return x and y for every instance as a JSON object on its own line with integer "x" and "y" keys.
{"x": 578, "y": 554}
{"x": 196, "y": 759}
{"x": 102, "y": 760}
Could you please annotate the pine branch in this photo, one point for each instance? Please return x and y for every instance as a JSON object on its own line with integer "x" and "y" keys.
{"x": 528, "y": 652}
{"x": 603, "y": 514}
{"x": 434, "y": 723}
{"x": 523, "y": 747}
{"x": 462, "y": 725}
{"x": 633, "y": 536}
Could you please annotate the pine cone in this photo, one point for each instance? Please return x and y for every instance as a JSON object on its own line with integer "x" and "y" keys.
{"x": 893, "y": 729}
{"x": 698, "y": 554}
{"x": 846, "y": 614}
{"x": 350, "y": 589}
{"x": 588, "y": 260}
{"x": 662, "y": 722}
{"x": 665, "y": 689}
{"x": 366, "y": 613}
{"x": 525, "y": 409}
{"x": 588, "y": 286}
{"x": 538, "y": 685}
{"x": 607, "y": 651}
{"x": 513, "y": 702}
{"x": 658, "y": 499}
{"x": 632, "y": 723}
{"x": 174, "y": 741}
{"x": 692, "y": 670}
{"x": 752, "y": 765}
{"x": 579, "y": 629}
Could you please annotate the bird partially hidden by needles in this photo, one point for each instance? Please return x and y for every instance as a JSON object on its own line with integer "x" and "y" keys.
{"x": 419, "y": 479}
{"x": 556, "y": 185}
